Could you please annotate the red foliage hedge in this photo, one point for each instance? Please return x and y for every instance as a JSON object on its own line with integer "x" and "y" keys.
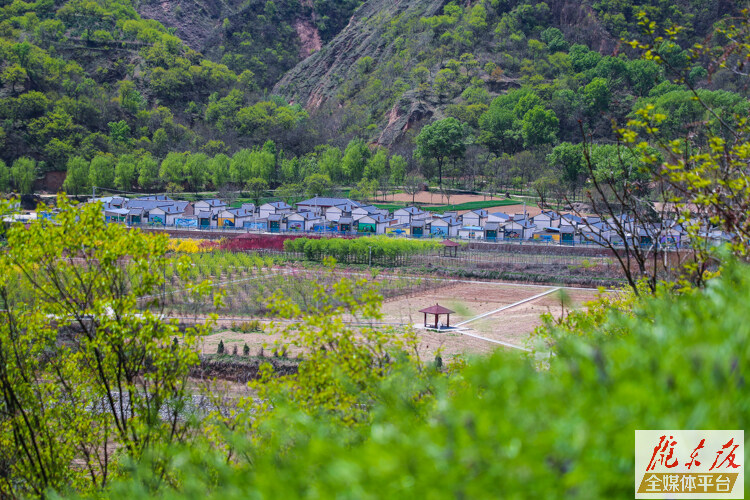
{"x": 259, "y": 242}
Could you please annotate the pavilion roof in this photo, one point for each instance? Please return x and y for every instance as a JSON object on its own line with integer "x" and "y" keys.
{"x": 436, "y": 309}
{"x": 449, "y": 243}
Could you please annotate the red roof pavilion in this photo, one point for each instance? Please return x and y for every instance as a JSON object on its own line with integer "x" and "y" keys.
{"x": 450, "y": 248}
{"x": 437, "y": 310}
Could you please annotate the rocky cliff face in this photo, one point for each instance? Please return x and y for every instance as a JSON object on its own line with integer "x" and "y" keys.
{"x": 318, "y": 78}
{"x": 194, "y": 21}
{"x": 322, "y": 76}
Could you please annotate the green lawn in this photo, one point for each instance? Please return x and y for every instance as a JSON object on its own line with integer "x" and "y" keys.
{"x": 472, "y": 205}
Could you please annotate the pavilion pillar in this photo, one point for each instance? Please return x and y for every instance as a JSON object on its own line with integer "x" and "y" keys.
{"x": 436, "y": 322}
{"x": 425, "y": 320}
{"x": 448, "y": 325}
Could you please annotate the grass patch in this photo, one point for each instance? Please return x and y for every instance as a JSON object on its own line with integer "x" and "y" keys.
{"x": 461, "y": 309}
{"x": 471, "y": 205}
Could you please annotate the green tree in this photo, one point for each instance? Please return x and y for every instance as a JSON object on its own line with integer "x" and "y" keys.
{"x": 14, "y": 74}
{"x": 77, "y": 177}
{"x": 219, "y": 169}
{"x": 102, "y": 171}
{"x": 355, "y": 159}
{"x": 172, "y": 169}
{"x": 119, "y": 132}
{"x": 554, "y": 39}
{"x": 398, "y": 169}
{"x": 240, "y": 166}
{"x": 125, "y": 172}
{"x": 596, "y": 95}
{"x": 642, "y": 75}
{"x": 317, "y": 185}
{"x": 377, "y": 165}
{"x": 4, "y": 177}
{"x": 130, "y": 98}
{"x": 196, "y": 171}
{"x": 330, "y": 163}
{"x": 440, "y": 140}
{"x": 540, "y": 126}
{"x": 148, "y": 172}
{"x": 290, "y": 193}
{"x": 257, "y": 187}
{"x": 23, "y": 173}
{"x": 568, "y": 158}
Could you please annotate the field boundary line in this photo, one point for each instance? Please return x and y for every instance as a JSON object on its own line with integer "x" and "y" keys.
{"x": 490, "y": 313}
{"x": 506, "y": 344}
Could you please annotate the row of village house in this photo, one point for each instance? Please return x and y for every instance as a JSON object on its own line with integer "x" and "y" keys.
{"x": 345, "y": 216}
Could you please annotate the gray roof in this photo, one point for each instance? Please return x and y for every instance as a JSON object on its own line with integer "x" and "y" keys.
{"x": 150, "y": 204}
{"x": 452, "y": 221}
{"x": 172, "y": 209}
{"x": 411, "y": 210}
{"x": 370, "y": 209}
{"x": 213, "y": 202}
{"x": 322, "y": 201}
{"x": 378, "y": 218}
{"x": 345, "y": 220}
{"x": 157, "y": 197}
{"x": 307, "y": 215}
{"x": 346, "y": 207}
{"x": 492, "y": 226}
{"x": 240, "y": 212}
{"x": 275, "y": 217}
{"x": 523, "y": 223}
{"x": 501, "y": 215}
{"x": 571, "y": 218}
{"x": 280, "y": 205}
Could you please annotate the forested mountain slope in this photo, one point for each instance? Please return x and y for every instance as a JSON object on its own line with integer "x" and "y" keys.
{"x": 148, "y": 94}
{"x": 406, "y": 60}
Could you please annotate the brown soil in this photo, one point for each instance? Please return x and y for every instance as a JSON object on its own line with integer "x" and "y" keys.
{"x": 471, "y": 299}
{"x": 466, "y": 299}
{"x": 309, "y": 37}
{"x": 515, "y": 324}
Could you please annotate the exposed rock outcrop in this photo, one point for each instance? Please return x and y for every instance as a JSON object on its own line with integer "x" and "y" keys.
{"x": 319, "y": 77}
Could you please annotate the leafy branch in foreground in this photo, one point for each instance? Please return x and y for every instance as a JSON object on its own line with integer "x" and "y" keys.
{"x": 345, "y": 353}
{"x": 86, "y": 378}
{"x": 706, "y": 169}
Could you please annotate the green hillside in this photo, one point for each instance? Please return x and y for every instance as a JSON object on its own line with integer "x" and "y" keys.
{"x": 189, "y": 95}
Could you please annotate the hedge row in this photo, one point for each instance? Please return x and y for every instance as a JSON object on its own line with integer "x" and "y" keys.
{"x": 379, "y": 248}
